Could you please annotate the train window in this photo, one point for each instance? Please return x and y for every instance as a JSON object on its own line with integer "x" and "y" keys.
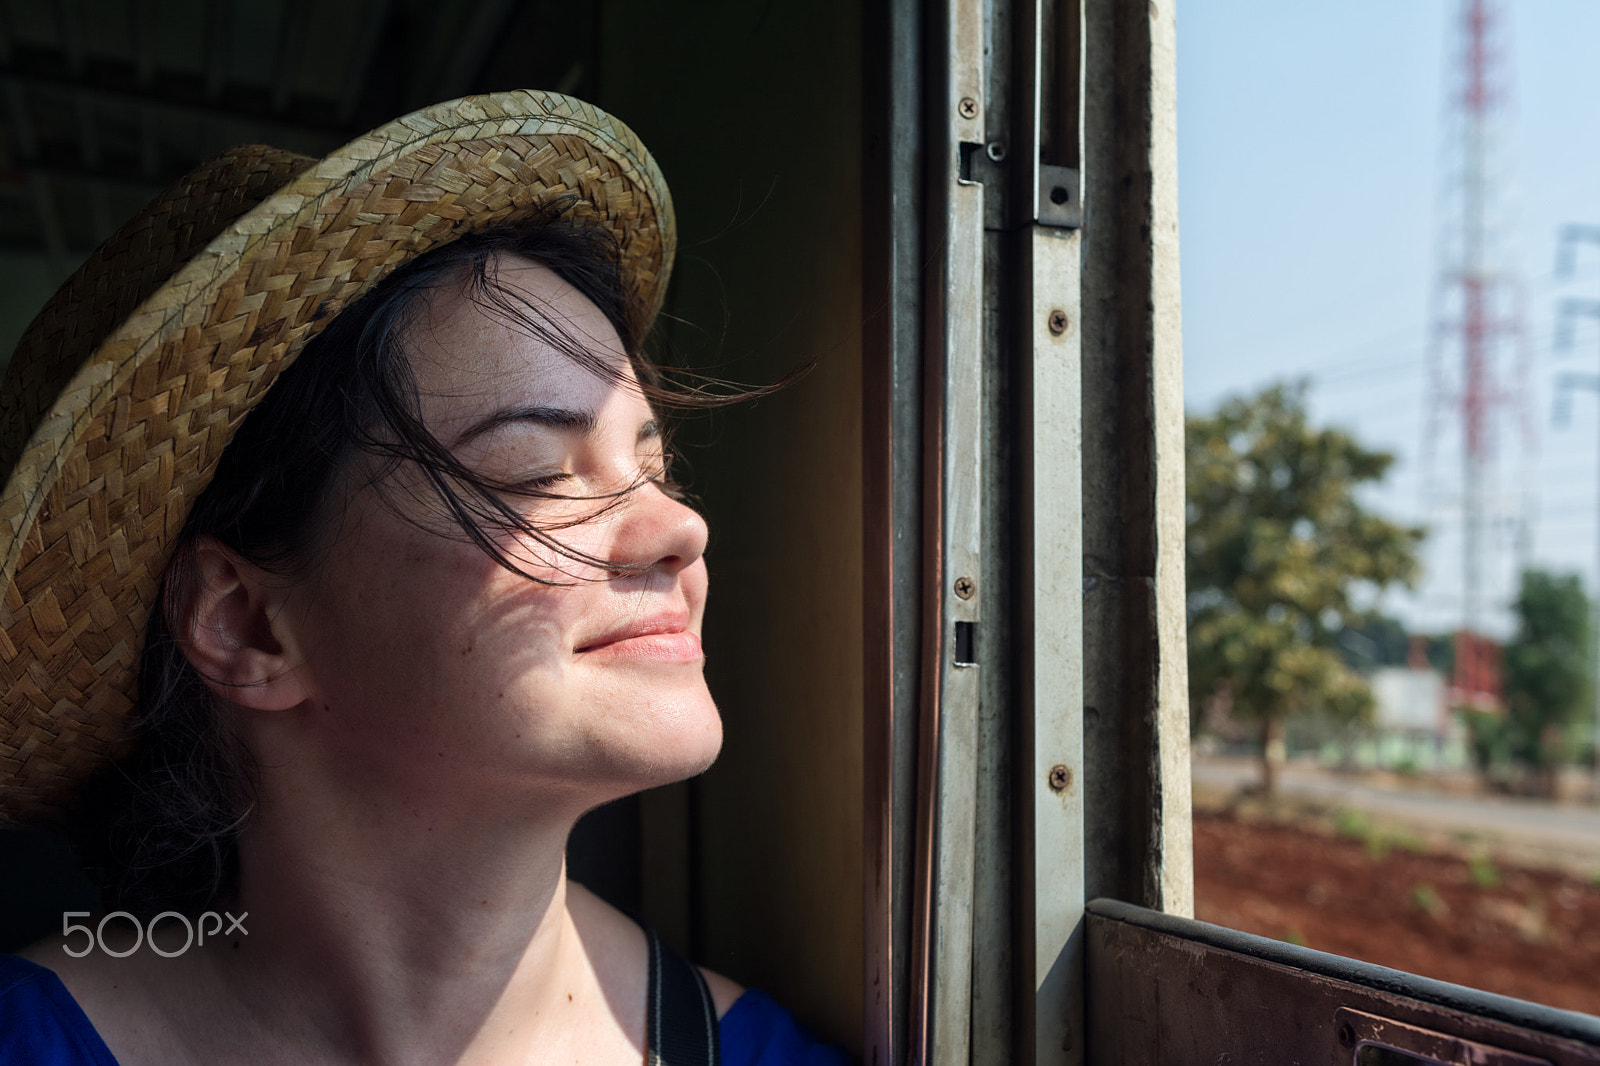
{"x": 951, "y": 819}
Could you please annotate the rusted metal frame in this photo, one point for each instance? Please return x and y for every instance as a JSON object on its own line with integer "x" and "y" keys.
{"x": 1051, "y": 862}
{"x": 995, "y": 927}
{"x": 1180, "y": 992}
{"x": 1050, "y": 119}
{"x": 1051, "y": 859}
{"x": 892, "y": 296}
{"x": 1022, "y": 986}
{"x": 1136, "y": 787}
{"x": 942, "y": 941}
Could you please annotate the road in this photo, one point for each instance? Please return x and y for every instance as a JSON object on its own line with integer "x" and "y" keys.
{"x": 1541, "y": 831}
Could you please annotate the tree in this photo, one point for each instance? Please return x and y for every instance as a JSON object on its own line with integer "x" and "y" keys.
{"x": 1281, "y": 557}
{"x": 1378, "y": 641}
{"x": 1546, "y": 670}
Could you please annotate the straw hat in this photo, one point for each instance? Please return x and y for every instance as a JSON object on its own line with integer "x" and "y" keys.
{"x": 128, "y": 385}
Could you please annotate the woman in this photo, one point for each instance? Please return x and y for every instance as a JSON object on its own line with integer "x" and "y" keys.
{"x": 435, "y": 600}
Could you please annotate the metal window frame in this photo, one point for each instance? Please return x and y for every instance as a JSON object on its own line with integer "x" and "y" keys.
{"x": 1176, "y": 991}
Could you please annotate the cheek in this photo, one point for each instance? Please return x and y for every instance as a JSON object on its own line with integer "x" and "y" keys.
{"x": 402, "y": 619}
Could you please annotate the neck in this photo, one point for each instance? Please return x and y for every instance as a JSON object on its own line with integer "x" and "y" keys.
{"x": 385, "y": 934}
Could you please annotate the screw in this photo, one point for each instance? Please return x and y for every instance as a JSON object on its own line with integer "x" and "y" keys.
{"x": 965, "y": 587}
{"x": 995, "y": 151}
{"x": 1060, "y": 778}
{"x": 968, "y": 107}
{"x": 1058, "y": 322}
{"x": 1347, "y": 1035}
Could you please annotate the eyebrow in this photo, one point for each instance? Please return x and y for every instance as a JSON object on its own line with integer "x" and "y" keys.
{"x": 563, "y": 418}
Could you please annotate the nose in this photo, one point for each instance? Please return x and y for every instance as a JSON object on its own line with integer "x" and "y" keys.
{"x": 658, "y": 533}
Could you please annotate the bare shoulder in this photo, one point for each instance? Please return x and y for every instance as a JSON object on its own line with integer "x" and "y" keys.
{"x": 611, "y": 934}
{"x": 89, "y": 976}
{"x": 120, "y": 995}
{"x": 44, "y": 952}
{"x": 725, "y": 992}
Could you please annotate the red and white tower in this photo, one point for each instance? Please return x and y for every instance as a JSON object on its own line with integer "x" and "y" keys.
{"x": 1479, "y": 351}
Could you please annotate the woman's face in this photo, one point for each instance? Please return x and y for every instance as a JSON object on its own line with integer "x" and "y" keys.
{"x": 426, "y": 663}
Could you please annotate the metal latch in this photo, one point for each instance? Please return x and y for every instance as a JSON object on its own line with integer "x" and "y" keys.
{"x": 1379, "y": 1041}
{"x": 1059, "y": 197}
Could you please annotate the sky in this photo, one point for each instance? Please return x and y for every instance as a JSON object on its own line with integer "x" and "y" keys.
{"x": 1314, "y": 165}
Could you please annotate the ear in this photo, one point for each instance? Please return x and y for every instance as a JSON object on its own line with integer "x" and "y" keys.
{"x": 231, "y": 633}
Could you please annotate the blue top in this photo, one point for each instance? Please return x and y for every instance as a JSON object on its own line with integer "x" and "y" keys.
{"x": 42, "y": 1025}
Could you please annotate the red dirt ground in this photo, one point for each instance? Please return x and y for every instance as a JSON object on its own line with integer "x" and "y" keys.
{"x": 1534, "y": 935}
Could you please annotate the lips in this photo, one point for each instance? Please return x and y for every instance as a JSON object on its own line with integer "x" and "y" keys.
{"x": 656, "y": 628}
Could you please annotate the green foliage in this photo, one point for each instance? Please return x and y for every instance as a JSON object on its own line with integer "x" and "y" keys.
{"x": 1489, "y": 736}
{"x": 1481, "y": 871}
{"x": 1348, "y": 823}
{"x": 1377, "y": 839}
{"x": 1425, "y": 898}
{"x": 1279, "y": 550}
{"x": 1547, "y": 666}
{"x": 1547, "y": 680}
{"x": 1404, "y": 841}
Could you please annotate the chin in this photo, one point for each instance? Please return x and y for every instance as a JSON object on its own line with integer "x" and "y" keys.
{"x": 688, "y": 753}
{"x": 666, "y": 750}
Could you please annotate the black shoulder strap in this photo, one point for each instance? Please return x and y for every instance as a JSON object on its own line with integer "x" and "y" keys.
{"x": 681, "y": 1019}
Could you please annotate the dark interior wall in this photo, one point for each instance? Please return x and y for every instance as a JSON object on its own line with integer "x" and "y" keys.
{"x": 753, "y": 111}
{"x": 109, "y": 101}
{"x": 26, "y": 282}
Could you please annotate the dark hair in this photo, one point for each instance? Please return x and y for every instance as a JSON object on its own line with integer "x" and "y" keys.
{"x": 162, "y": 825}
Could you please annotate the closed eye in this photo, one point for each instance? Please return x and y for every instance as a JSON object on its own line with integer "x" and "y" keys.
{"x": 656, "y": 471}
{"x": 541, "y": 482}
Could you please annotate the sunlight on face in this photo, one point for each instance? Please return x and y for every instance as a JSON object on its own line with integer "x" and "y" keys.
{"x": 439, "y": 668}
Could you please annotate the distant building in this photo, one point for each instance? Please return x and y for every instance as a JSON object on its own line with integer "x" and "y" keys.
{"x": 1415, "y": 724}
{"x": 1410, "y": 700}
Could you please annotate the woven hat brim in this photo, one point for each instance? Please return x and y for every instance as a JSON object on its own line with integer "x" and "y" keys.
{"x": 124, "y": 432}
